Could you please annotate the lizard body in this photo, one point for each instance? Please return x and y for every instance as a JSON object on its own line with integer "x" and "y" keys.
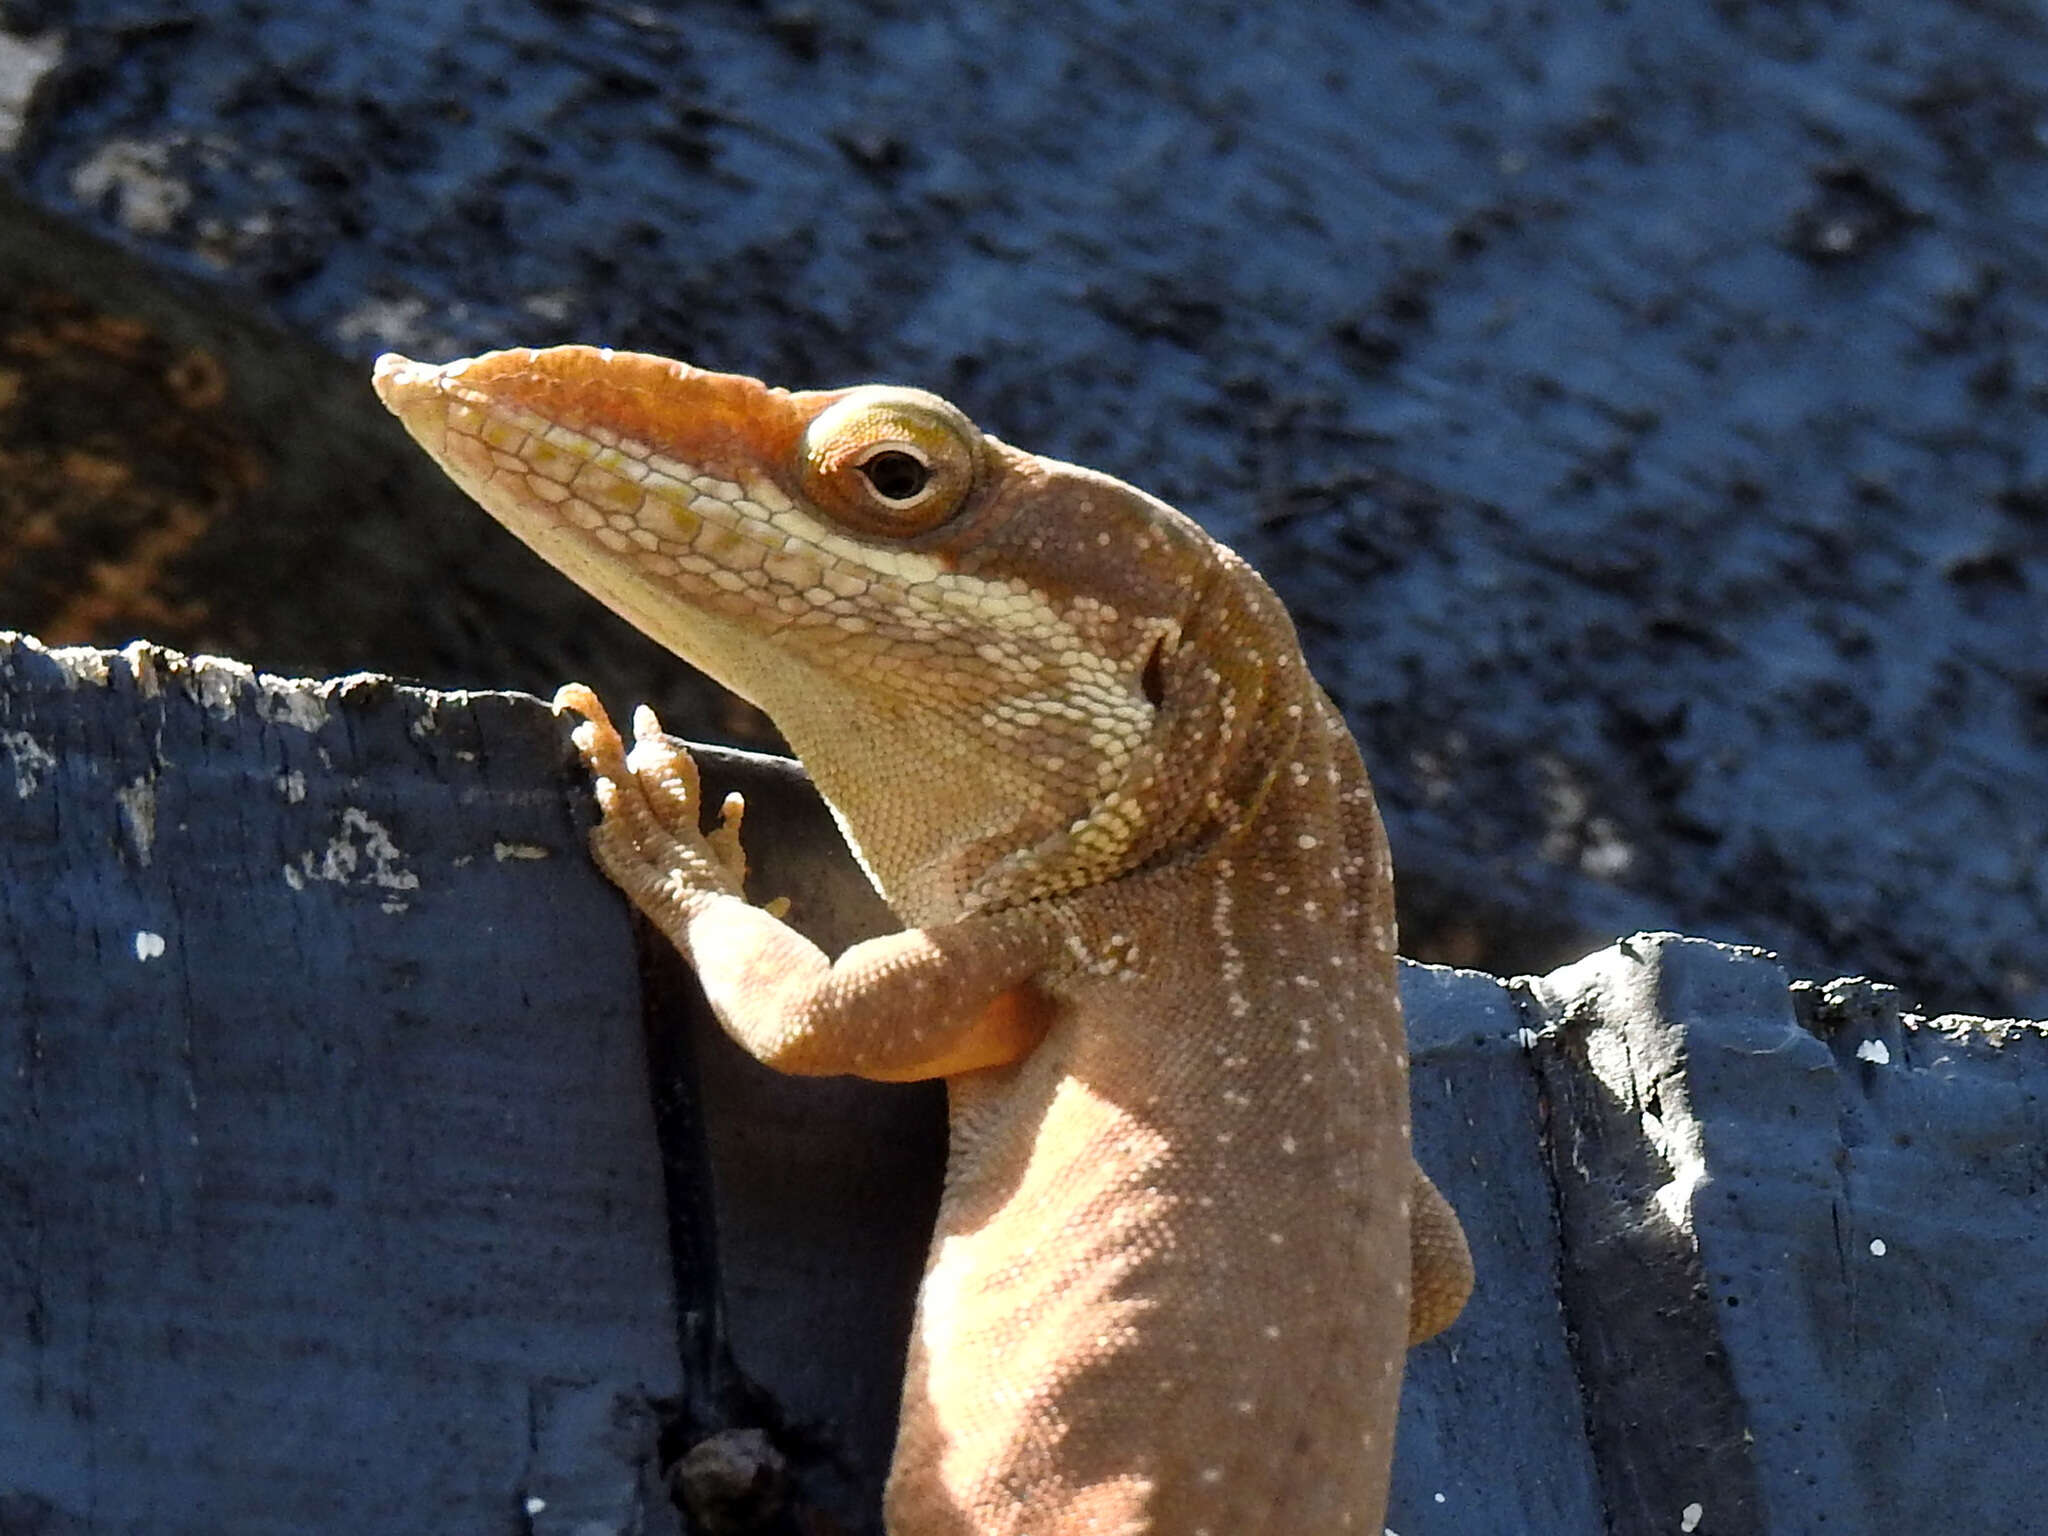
{"x": 1150, "y": 933}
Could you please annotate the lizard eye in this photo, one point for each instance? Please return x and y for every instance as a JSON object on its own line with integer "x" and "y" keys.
{"x": 897, "y": 474}
{"x": 896, "y": 462}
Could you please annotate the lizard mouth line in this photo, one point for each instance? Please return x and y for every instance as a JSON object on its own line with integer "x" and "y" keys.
{"x": 741, "y": 546}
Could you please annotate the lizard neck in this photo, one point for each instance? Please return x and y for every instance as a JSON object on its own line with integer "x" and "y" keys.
{"x": 1236, "y": 711}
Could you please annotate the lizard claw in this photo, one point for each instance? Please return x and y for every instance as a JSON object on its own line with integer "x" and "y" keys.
{"x": 664, "y": 764}
{"x": 597, "y": 739}
{"x": 649, "y": 840}
{"x": 725, "y": 837}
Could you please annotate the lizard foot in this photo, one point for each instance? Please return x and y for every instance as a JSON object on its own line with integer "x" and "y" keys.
{"x": 649, "y": 841}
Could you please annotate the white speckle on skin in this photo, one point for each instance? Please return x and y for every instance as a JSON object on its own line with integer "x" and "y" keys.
{"x": 1877, "y": 1248}
{"x": 1690, "y": 1517}
{"x": 148, "y": 946}
{"x": 1874, "y": 1051}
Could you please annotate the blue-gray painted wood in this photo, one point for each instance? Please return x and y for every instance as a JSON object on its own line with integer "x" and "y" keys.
{"x": 350, "y": 1206}
{"x": 329, "y": 1199}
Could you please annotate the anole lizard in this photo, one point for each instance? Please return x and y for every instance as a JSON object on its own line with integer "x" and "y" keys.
{"x": 1149, "y": 934}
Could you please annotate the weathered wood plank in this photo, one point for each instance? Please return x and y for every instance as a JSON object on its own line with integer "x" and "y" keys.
{"x": 336, "y": 1191}
{"x": 327, "y": 1180}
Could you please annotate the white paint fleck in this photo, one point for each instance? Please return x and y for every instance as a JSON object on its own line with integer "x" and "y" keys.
{"x": 31, "y": 761}
{"x": 362, "y": 853}
{"x": 504, "y": 851}
{"x": 138, "y": 811}
{"x": 534, "y": 1506}
{"x": 1877, "y": 1248}
{"x": 148, "y": 946}
{"x": 292, "y": 786}
{"x": 1690, "y": 1517}
{"x": 1874, "y": 1051}
{"x": 283, "y": 702}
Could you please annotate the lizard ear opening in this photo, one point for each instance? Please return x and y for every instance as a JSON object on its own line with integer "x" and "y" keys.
{"x": 895, "y": 462}
{"x": 1152, "y": 680}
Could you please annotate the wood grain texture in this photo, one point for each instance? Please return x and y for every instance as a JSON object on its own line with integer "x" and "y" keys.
{"x": 325, "y": 1152}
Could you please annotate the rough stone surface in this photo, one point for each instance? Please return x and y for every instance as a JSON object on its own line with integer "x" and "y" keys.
{"x": 1641, "y": 406}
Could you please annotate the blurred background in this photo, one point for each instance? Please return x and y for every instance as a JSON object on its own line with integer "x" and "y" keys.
{"x": 1643, "y": 407}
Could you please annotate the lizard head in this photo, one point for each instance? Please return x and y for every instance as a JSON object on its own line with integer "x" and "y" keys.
{"x": 1009, "y": 676}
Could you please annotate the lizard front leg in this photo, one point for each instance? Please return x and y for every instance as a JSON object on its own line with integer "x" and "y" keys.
{"x": 927, "y": 1002}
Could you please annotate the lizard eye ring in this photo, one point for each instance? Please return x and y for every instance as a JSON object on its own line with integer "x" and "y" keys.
{"x": 895, "y": 462}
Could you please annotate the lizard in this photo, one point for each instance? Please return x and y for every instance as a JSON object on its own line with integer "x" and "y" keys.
{"x": 1147, "y": 897}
